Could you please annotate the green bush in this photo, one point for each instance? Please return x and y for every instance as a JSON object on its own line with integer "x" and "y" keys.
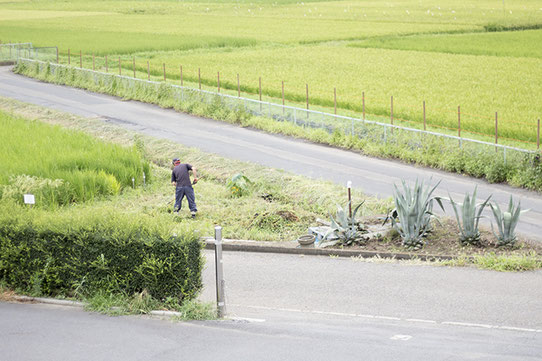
{"x": 63, "y": 253}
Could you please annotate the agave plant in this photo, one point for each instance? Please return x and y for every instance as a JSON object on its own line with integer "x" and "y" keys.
{"x": 468, "y": 218}
{"x": 345, "y": 228}
{"x": 413, "y": 213}
{"x": 506, "y": 222}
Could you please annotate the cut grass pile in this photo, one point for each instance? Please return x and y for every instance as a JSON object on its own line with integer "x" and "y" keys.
{"x": 60, "y": 166}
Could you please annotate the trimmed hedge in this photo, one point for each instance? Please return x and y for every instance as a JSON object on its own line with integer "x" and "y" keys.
{"x": 64, "y": 254}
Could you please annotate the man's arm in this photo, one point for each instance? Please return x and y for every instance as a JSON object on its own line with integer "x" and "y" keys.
{"x": 195, "y": 172}
{"x": 173, "y": 179}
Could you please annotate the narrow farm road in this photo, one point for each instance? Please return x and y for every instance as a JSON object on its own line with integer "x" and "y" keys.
{"x": 373, "y": 176}
{"x": 44, "y": 332}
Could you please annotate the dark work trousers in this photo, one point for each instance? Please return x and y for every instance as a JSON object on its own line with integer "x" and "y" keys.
{"x": 180, "y": 192}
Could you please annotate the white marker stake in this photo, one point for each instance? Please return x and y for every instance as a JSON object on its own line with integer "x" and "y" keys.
{"x": 220, "y": 299}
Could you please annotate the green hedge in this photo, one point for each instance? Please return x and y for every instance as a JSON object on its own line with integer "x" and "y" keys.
{"x": 66, "y": 253}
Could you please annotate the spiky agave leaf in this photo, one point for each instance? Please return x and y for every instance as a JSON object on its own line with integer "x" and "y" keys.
{"x": 413, "y": 208}
{"x": 506, "y": 222}
{"x": 469, "y": 219}
{"x": 343, "y": 226}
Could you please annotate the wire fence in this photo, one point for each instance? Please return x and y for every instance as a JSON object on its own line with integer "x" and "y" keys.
{"x": 370, "y": 130}
{"x": 12, "y": 51}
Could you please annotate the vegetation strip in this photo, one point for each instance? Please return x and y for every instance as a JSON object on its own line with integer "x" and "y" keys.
{"x": 514, "y": 168}
{"x": 262, "y": 204}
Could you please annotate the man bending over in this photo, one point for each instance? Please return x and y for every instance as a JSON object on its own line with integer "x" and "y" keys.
{"x": 183, "y": 187}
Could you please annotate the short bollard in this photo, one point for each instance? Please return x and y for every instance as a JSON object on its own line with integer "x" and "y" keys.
{"x": 220, "y": 301}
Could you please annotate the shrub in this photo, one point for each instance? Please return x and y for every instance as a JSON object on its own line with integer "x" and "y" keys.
{"x": 57, "y": 253}
{"x": 413, "y": 212}
{"x": 506, "y": 222}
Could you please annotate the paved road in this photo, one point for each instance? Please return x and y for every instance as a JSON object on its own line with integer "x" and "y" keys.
{"x": 41, "y": 332}
{"x": 373, "y": 176}
{"x": 259, "y": 282}
{"x": 306, "y": 308}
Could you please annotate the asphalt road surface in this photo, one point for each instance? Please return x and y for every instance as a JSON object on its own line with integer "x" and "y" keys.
{"x": 373, "y": 176}
{"x": 306, "y": 308}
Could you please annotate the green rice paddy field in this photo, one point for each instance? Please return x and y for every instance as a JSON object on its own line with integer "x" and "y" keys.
{"x": 443, "y": 52}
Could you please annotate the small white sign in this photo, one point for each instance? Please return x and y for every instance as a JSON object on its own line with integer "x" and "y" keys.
{"x": 29, "y": 199}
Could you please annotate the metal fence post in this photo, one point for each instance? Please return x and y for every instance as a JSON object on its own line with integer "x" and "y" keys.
{"x": 538, "y": 136}
{"x": 496, "y": 130}
{"x": 391, "y": 113}
{"x": 220, "y": 299}
{"x": 106, "y": 65}
{"x": 93, "y": 62}
{"x": 307, "y": 87}
{"x": 363, "y": 104}
{"x": 80, "y": 59}
{"x": 56, "y": 54}
{"x": 283, "y": 97}
{"x": 260, "y": 82}
{"x": 459, "y": 124}
{"x": 120, "y": 71}
{"x": 424, "y": 126}
{"x": 335, "y": 99}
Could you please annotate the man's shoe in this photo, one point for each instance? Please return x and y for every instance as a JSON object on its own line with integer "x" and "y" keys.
{"x": 193, "y": 214}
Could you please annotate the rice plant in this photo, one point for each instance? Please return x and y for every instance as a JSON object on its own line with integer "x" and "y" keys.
{"x": 468, "y": 218}
{"x": 60, "y": 166}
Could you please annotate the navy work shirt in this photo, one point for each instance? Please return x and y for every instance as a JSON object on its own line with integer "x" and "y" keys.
{"x": 181, "y": 176}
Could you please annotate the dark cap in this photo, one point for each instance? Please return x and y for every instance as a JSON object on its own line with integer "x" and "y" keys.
{"x": 175, "y": 160}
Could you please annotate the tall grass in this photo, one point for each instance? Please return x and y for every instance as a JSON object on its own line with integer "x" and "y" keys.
{"x": 60, "y": 166}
